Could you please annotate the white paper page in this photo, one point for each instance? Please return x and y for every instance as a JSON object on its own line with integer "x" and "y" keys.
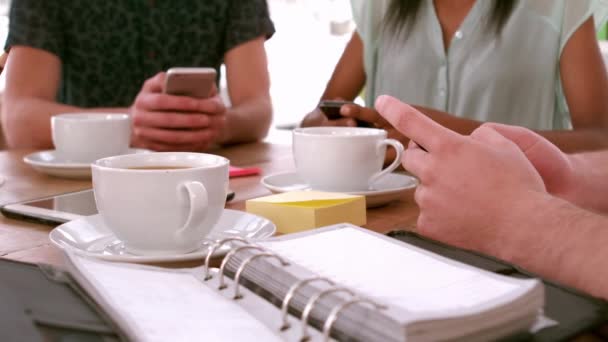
{"x": 170, "y": 306}
{"x": 391, "y": 273}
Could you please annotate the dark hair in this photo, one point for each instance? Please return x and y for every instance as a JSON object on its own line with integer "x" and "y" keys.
{"x": 401, "y": 13}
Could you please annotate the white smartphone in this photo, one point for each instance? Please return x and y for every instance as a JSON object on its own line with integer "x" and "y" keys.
{"x": 193, "y": 82}
{"x": 60, "y": 208}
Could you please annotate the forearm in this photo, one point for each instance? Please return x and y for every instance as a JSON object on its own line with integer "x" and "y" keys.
{"x": 578, "y": 140}
{"x": 559, "y": 241}
{"x": 248, "y": 121}
{"x": 348, "y": 77}
{"x": 346, "y": 82}
{"x": 581, "y": 139}
{"x": 457, "y": 124}
{"x": 27, "y": 121}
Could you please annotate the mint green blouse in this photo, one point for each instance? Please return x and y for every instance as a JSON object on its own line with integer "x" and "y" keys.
{"x": 512, "y": 79}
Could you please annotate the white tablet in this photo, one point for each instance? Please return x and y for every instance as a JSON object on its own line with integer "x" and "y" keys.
{"x": 59, "y": 208}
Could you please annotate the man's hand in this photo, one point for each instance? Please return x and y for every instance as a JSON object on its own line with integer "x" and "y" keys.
{"x": 163, "y": 122}
{"x": 470, "y": 186}
{"x": 555, "y": 167}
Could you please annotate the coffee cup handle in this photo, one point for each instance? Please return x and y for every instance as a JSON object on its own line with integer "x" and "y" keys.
{"x": 399, "y": 153}
{"x": 199, "y": 202}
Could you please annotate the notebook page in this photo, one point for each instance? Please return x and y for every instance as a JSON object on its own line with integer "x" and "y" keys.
{"x": 387, "y": 271}
{"x": 169, "y": 306}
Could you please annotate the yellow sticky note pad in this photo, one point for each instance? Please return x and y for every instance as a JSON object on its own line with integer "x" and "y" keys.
{"x": 300, "y": 210}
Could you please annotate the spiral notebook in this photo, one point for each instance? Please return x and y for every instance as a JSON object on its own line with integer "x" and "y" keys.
{"x": 340, "y": 282}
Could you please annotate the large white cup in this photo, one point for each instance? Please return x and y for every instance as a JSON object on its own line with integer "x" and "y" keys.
{"x": 342, "y": 158}
{"x": 86, "y": 137}
{"x": 156, "y": 211}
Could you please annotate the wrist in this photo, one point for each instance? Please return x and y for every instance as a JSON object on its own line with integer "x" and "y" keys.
{"x": 525, "y": 225}
{"x": 557, "y": 240}
{"x": 550, "y": 237}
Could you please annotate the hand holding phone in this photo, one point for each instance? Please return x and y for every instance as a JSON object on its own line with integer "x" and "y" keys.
{"x": 158, "y": 114}
{"x": 193, "y": 82}
{"x": 331, "y": 109}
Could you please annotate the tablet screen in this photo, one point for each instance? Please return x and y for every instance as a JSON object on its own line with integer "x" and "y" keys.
{"x": 79, "y": 203}
{"x": 60, "y": 208}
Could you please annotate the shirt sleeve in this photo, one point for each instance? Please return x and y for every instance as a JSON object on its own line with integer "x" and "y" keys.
{"x": 247, "y": 20}
{"x": 369, "y": 16}
{"x": 358, "y": 10}
{"x": 577, "y": 12}
{"x": 37, "y": 24}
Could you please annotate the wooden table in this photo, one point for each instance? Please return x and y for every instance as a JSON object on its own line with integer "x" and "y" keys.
{"x": 29, "y": 242}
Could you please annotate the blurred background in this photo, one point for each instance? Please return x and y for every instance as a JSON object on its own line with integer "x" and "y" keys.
{"x": 310, "y": 37}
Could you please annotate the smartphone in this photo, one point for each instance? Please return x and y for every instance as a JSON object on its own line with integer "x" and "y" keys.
{"x": 60, "y": 208}
{"x": 331, "y": 109}
{"x": 193, "y": 82}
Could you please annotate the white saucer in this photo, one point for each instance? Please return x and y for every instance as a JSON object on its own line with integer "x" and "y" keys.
{"x": 91, "y": 237}
{"x": 387, "y": 189}
{"x": 48, "y": 162}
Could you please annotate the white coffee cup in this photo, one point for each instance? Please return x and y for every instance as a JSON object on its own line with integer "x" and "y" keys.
{"x": 342, "y": 158}
{"x": 86, "y": 137}
{"x": 156, "y": 211}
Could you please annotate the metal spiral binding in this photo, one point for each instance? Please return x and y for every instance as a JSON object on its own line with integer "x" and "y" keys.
{"x": 331, "y": 318}
{"x": 212, "y": 250}
{"x": 333, "y": 315}
{"x": 222, "y": 285}
{"x": 310, "y": 305}
{"x": 237, "y": 277}
{"x": 291, "y": 292}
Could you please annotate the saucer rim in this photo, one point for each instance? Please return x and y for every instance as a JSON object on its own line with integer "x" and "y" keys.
{"x": 28, "y": 159}
{"x": 413, "y": 184}
{"x": 199, "y": 254}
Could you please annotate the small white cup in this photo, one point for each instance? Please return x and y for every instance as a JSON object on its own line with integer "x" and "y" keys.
{"x": 342, "y": 158}
{"x": 86, "y": 137}
{"x": 156, "y": 211}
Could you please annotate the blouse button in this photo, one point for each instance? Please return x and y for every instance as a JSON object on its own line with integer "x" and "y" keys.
{"x": 458, "y": 34}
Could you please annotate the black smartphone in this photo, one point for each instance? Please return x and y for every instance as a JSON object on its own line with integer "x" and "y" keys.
{"x": 60, "y": 208}
{"x": 331, "y": 109}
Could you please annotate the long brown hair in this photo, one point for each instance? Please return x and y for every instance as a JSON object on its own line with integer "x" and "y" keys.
{"x": 402, "y": 13}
